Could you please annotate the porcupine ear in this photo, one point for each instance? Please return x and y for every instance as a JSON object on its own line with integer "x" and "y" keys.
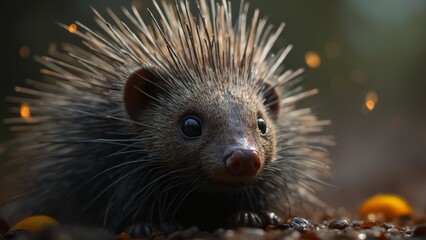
{"x": 139, "y": 90}
{"x": 272, "y": 100}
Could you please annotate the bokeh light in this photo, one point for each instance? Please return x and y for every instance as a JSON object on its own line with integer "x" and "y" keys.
{"x": 72, "y": 28}
{"x": 312, "y": 59}
{"x": 24, "y": 52}
{"x": 25, "y": 111}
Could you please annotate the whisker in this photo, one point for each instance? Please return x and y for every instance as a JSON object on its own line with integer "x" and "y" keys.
{"x": 112, "y": 184}
{"x": 118, "y": 166}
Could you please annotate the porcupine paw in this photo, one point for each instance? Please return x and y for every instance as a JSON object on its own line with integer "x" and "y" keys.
{"x": 141, "y": 230}
{"x": 245, "y": 219}
{"x": 168, "y": 228}
{"x": 269, "y": 218}
{"x": 254, "y": 220}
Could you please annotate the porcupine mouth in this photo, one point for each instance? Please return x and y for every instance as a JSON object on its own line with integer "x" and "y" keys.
{"x": 222, "y": 185}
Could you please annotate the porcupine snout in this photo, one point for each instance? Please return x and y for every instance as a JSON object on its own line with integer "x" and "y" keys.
{"x": 242, "y": 162}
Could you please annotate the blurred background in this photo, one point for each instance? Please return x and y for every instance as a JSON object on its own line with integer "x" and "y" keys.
{"x": 367, "y": 58}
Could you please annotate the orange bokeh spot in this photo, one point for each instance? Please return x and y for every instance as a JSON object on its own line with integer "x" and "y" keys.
{"x": 25, "y": 111}
{"x": 24, "y": 52}
{"x": 370, "y": 105}
{"x": 388, "y": 206}
{"x": 312, "y": 59}
{"x": 72, "y": 28}
{"x": 371, "y": 100}
{"x": 35, "y": 223}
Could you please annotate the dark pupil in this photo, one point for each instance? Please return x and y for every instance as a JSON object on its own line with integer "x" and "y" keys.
{"x": 191, "y": 127}
{"x": 261, "y": 125}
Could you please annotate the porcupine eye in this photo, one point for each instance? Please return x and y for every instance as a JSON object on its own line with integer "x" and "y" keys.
{"x": 191, "y": 127}
{"x": 261, "y": 124}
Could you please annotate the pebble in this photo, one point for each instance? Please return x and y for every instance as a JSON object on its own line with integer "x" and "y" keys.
{"x": 369, "y": 224}
{"x": 299, "y": 224}
{"x": 293, "y": 229}
{"x": 339, "y": 224}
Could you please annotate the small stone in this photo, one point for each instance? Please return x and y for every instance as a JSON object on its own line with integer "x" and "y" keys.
{"x": 388, "y": 226}
{"x": 299, "y": 224}
{"x": 369, "y": 224}
{"x": 320, "y": 226}
{"x": 393, "y": 231}
{"x": 338, "y": 224}
{"x": 356, "y": 224}
{"x": 407, "y": 230}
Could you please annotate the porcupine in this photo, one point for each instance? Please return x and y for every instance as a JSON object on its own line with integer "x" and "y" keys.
{"x": 191, "y": 119}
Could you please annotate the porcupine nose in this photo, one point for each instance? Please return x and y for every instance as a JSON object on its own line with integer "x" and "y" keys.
{"x": 243, "y": 162}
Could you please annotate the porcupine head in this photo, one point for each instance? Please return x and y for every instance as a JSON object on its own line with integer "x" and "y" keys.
{"x": 188, "y": 119}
